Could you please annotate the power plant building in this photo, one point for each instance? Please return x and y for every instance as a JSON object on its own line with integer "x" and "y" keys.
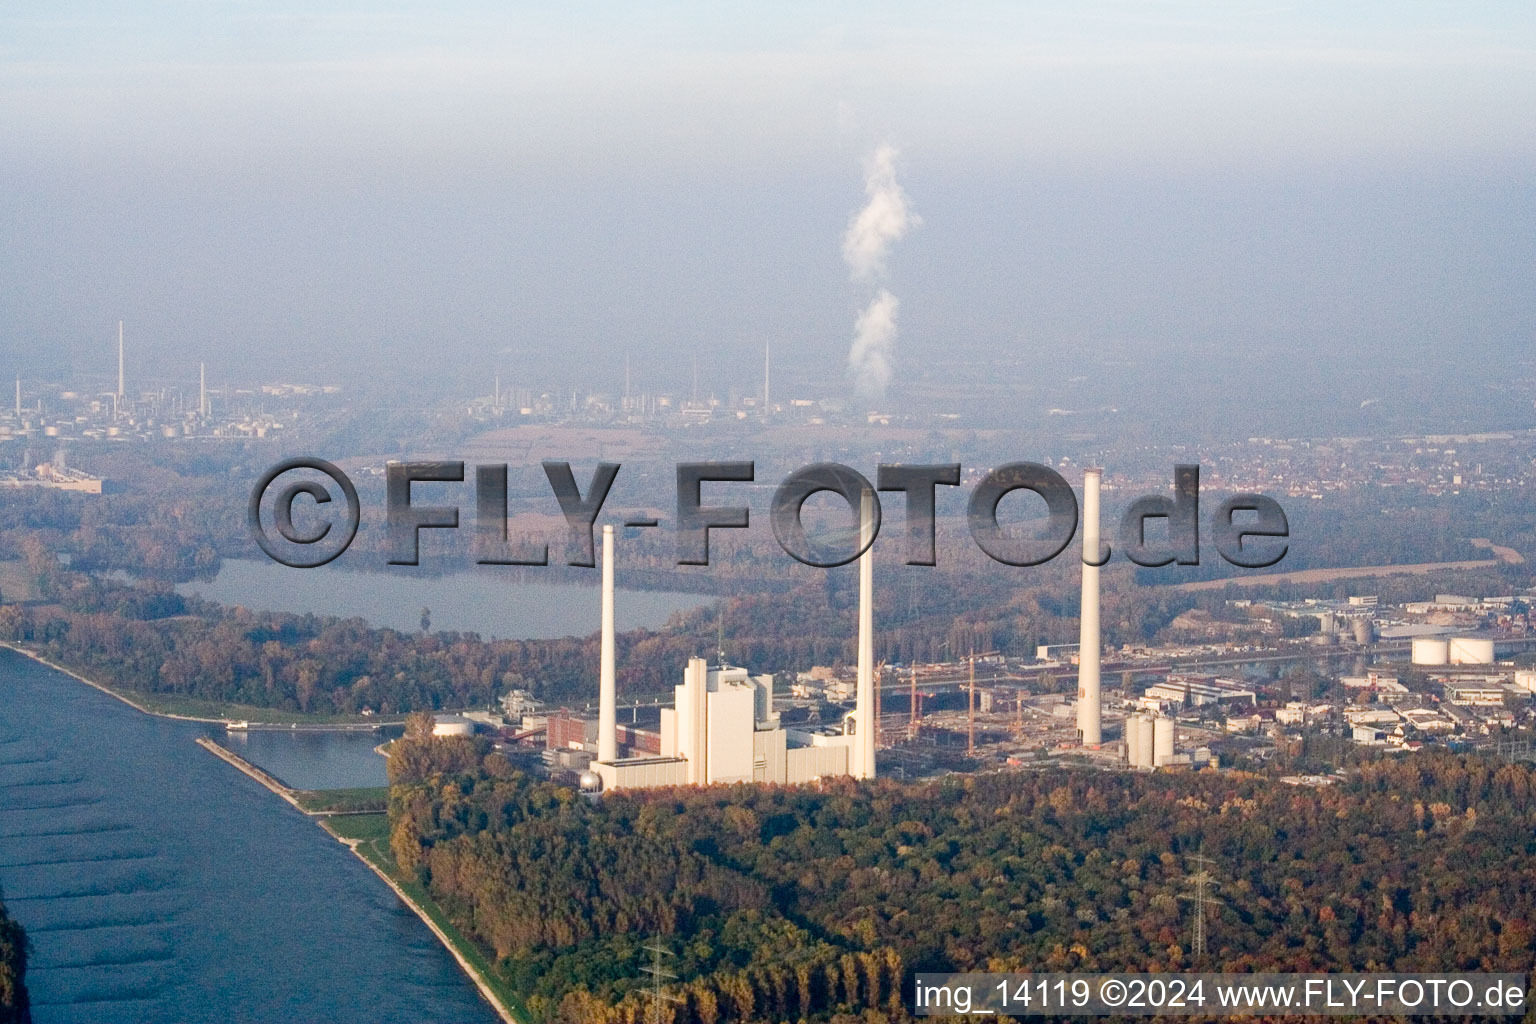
{"x": 722, "y": 727}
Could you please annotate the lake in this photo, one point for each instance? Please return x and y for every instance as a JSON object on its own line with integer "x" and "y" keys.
{"x": 477, "y": 602}
{"x": 157, "y": 883}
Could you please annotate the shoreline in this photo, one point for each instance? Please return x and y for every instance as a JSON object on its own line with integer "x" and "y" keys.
{"x": 41, "y": 660}
{"x": 226, "y": 722}
{"x": 266, "y": 778}
{"x": 288, "y": 794}
{"x": 486, "y": 992}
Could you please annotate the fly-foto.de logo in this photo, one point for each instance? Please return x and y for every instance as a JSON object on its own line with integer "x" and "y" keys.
{"x": 1249, "y": 530}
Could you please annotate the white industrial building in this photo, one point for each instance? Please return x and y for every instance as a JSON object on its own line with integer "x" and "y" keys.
{"x": 1477, "y": 695}
{"x": 722, "y": 727}
{"x": 1176, "y": 690}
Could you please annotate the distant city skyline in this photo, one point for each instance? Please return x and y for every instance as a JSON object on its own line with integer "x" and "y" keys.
{"x": 328, "y": 193}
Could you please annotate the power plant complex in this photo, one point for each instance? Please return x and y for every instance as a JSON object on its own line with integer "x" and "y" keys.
{"x": 723, "y": 728}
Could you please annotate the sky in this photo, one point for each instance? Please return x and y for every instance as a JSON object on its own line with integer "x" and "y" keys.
{"x": 346, "y": 190}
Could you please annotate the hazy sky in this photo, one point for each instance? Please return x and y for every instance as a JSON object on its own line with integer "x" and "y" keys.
{"x": 332, "y": 187}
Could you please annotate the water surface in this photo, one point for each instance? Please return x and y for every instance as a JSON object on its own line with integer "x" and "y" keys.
{"x": 157, "y": 883}
{"x": 479, "y": 602}
{"x": 314, "y": 759}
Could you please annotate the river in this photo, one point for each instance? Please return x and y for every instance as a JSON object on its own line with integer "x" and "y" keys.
{"x": 156, "y": 883}
{"x": 478, "y": 602}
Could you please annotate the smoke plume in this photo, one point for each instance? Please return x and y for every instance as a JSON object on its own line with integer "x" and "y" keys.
{"x": 883, "y": 221}
{"x": 874, "y": 333}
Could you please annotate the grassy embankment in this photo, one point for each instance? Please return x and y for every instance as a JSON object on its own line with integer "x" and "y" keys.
{"x": 170, "y": 705}
{"x": 368, "y": 835}
{"x": 192, "y": 707}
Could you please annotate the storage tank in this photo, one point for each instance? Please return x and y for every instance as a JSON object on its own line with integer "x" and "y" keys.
{"x": 1430, "y": 650}
{"x": 1525, "y": 678}
{"x": 1132, "y": 736}
{"x": 1162, "y": 742}
{"x": 1471, "y": 650}
{"x": 452, "y": 725}
{"x": 1365, "y": 631}
{"x": 1144, "y": 741}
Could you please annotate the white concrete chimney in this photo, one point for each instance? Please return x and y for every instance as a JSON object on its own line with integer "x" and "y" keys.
{"x": 862, "y": 761}
{"x": 607, "y": 713}
{"x": 1088, "y": 701}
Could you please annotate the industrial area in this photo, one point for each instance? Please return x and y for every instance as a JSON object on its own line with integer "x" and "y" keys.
{"x": 1394, "y": 678}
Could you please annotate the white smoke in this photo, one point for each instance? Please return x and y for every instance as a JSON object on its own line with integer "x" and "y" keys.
{"x": 874, "y": 335}
{"x": 884, "y": 220}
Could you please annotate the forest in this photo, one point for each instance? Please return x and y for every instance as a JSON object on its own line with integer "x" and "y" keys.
{"x": 815, "y": 903}
{"x": 148, "y": 639}
{"x": 14, "y": 1006}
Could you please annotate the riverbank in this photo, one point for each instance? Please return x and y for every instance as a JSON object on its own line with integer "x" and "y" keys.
{"x": 373, "y": 850}
{"x": 461, "y": 949}
{"x": 41, "y": 660}
{"x": 161, "y": 705}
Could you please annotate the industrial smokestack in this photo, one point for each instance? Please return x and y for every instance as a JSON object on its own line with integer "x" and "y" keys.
{"x": 607, "y": 711}
{"x": 863, "y": 759}
{"x": 119, "y": 360}
{"x": 202, "y": 389}
{"x": 1088, "y": 724}
{"x": 767, "y": 378}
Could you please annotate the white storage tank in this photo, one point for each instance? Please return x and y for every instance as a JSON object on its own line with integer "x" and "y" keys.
{"x": 1430, "y": 650}
{"x": 452, "y": 725}
{"x": 1132, "y": 737}
{"x": 1144, "y": 741}
{"x": 1162, "y": 742}
{"x": 1525, "y": 678}
{"x": 1471, "y": 650}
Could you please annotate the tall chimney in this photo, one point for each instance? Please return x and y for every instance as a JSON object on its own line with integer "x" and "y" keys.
{"x": 119, "y": 360}
{"x": 863, "y": 759}
{"x": 202, "y": 389}
{"x": 767, "y": 378}
{"x": 18, "y": 398}
{"x": 1088, "y": 701}
{"x": 607, "y": 713}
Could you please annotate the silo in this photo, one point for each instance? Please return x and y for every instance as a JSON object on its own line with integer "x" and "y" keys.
{"x": 1132, "y": 736}
{"x": 1430, "y": 650}
{"x": 1526, "y": 679}
{"x": 1365, "y": 631}
{"x": 1144, "y": 732}
{"x": 1470, "y": 650}
{"x": 1162, "y": 742}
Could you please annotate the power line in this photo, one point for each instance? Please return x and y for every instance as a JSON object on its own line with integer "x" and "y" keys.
{"x": 659, "y": 977}
{"x": 1201, "y": 899}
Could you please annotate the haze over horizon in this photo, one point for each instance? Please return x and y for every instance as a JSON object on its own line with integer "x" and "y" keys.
{"x": 1272, "y": 197}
